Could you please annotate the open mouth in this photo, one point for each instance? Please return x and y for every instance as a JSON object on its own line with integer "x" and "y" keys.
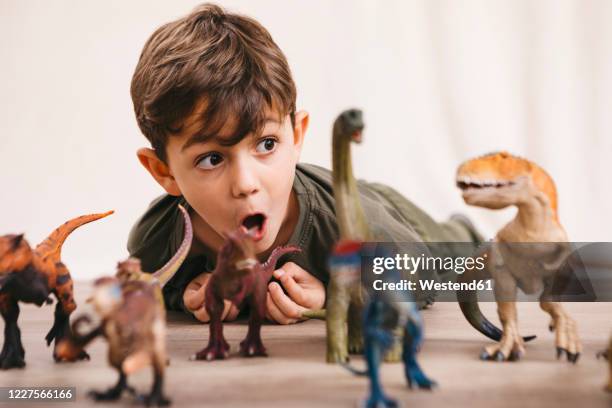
{"x": 466, "y": 183}
{"x": 254, "y": 225}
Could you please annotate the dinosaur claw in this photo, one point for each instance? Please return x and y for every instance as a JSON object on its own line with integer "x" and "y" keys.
{"x": 515, "y": 356}
{"x": 573, "y": 357}
{"x": 499, "y": 356}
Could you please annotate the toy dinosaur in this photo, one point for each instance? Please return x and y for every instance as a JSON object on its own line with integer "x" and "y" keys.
{"x": 131, "y": 307}
{"x": 30, "y": 276}
{"x": 239, "y": 277}
{"x": 496, "y": 181}
{"x": 345, "y": 297}
{"x": 384, "y": 312}
{"x": 133, "y": 323}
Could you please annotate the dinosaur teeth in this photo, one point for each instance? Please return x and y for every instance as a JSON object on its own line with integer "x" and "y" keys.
{"x": 466, "y": 182}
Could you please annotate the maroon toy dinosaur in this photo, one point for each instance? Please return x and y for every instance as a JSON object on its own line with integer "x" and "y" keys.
{"x": 239, "y": 277}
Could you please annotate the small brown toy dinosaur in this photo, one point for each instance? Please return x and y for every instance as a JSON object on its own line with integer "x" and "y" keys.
{"x": 133, "y": 322}
{"x": 239, "y": 277}
{"x": 30, "y": 276}
{"x": 131, "y": 307}
{"x": 496, "y": 181}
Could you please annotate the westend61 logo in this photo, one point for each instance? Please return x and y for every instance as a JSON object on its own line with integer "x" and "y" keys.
{"x": 412, "y": 264}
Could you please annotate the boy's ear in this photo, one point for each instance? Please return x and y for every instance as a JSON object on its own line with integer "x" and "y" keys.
{"x": 299, "y": 130}
{"x": 159, "y": 170}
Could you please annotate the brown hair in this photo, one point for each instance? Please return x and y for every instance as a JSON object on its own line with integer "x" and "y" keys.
{"x": 229, "y": 60}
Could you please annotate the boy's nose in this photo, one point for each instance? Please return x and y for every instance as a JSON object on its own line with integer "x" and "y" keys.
{"x": 244, "y": 181}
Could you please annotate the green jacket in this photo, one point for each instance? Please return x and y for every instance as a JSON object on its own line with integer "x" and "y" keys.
{"x": 158, "y": 233}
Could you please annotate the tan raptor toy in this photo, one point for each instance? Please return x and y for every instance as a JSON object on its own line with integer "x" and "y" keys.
{"x": 130, "y": 307}
{"x": 496, "y": 181}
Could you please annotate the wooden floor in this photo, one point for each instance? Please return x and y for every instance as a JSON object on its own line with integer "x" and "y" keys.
{"x": 295, "y": 374}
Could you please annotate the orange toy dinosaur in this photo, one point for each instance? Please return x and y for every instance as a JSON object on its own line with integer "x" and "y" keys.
{"x": 30, "y": 276}
{"x": 496, "y": 181}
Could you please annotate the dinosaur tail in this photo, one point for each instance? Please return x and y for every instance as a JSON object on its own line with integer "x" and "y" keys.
{"x": 166, "y": 272}
{"x": 468, "y": 303}
{"x": 74, "y": 344}
{"x": 80, "y": 339}
{"x": 315, "y": 314}
{"x": 52, "y": 245}
{"x": 353, "y": 370}
{"x": 275, "y": 256}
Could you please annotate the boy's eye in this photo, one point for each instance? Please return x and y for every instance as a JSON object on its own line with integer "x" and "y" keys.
{"x": 266, "y": 145}
{"x": 209, "y": 161}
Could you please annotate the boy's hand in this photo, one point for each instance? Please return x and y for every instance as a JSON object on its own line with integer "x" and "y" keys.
{"x": 193, "y": 299}
{"x": 304, "y": 292}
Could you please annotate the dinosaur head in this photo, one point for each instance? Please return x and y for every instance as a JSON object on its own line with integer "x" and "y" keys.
{"x": 350, "y": 125}
{"x": 106, "y": 296}
{"x": 498, "y": 180}
{"x": 128, "y": 270}
{"x": 17, "y": 276}
{"x": 15, "y": 253}
{"x": 239, "y": 250}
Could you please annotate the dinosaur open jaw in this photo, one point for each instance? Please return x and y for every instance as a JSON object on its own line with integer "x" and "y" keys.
{"x": 467, "y": 183}
{"x": 356, "y": 136}
{"x": 254, "y": 225}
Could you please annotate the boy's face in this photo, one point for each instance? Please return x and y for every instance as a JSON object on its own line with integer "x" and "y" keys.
{"x": 245, "y": 185}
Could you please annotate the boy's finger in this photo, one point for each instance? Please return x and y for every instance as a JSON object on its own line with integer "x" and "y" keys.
{"x": 232, "y": 313}
{"x": 287, "y": 306}
{"x": 295, "y": 291}
{"x": 268, "y": 300}
{"x": 292, "y": 269}
{"x": 227, "y": 306}
{"x": 202, "y": 315}
{"x": 275, "y": 314}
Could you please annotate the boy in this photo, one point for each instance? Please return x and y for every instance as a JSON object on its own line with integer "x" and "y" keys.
{"x": 214, "y": 95}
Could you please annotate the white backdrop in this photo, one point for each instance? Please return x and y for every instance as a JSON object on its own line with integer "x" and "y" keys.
{"x": 439, "y": 81}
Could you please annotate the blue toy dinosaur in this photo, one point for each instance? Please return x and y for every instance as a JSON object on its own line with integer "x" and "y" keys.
{"x": 384, "y": 313}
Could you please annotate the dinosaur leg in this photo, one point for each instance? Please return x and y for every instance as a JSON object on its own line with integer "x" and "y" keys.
{"x": 566, "y": 340}
{"x": 156, "y": 397}
{"x": 373, "y": 354}
{"x": 511, "y": 346}
{"x": 252, "y": 345}
{"x": 337, "y": 310}
{"x": 414, "y": 373}
{"x": 355, "y": 320}
{"x": 217, "y": 347}
{"x": 376, "y": 341}
{"x": 61, "y": 323}
{"x": 13, "y": 354}
{"x": 113, "y": 393}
